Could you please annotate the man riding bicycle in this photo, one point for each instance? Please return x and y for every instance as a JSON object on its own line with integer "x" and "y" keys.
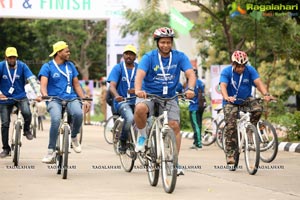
{"x": 158, "y": 73}
{"x": 236, "y": 82}
{"x": 121, "y": 81}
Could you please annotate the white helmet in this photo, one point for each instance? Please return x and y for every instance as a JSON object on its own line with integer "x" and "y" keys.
{"x": 240, "y": 57}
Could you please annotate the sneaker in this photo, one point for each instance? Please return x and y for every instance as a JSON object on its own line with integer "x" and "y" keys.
{"x": 76, "y": 146}
{"x": 230, "y": 160}
{"x": 50, "y": 157}
{"x": 196, "y": 147}
{"x": 28, "y": 135}
{"x": 180, "y": 171}
{"x": 140, "y": 146}
{"x": 5, "y": 153}
{"x": 122, "y": 146}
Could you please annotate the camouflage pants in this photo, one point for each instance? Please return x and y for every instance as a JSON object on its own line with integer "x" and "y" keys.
{"x": 231, "y": 113}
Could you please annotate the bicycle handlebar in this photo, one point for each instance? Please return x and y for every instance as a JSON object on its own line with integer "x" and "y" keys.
{"x": 68, "y": 100}
{"x": 154, "y": 96}
{"x": 11, "y": 98}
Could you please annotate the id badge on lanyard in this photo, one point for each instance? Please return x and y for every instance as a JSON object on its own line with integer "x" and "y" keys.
{"x": 68, "y": 89}
{"x": 165, "y": 88}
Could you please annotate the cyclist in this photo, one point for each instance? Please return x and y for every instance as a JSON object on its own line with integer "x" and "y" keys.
{"x": 58, "y": 77}
{"x": 13, "y": 76}
{"x": 121, "y": 81}
{"x": 158, "y": 73}
{"x": 236, "y": 82}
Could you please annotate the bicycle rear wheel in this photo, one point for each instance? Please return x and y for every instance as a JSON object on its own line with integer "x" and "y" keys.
{"x": 79, "y": 135}
{"x": 65, "y": 152}
{"x": 108, "y": 133}
{"x": 219, "y": 133}
{"x": 208, "y": 136}
{"x": 128, "y": 158}
{"x": 268, "y": 141}
{"x": 17, "y": 145}
{"x": 34, "y": 125}
{"x": 58, "y": 149}
{"x": 169, "y": 162}
{"x": 151, "y": 158}
{"x": 252, "y": 149}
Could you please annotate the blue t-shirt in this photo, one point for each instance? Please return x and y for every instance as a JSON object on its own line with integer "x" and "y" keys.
{"x": 22, "y": 74}
{"x": 57, "y": 82}
{"x": 154, "y": 80}
{"x": 118, "y": 75}
{"x": 194, "y": 105}
{"x": 232, "y": 79}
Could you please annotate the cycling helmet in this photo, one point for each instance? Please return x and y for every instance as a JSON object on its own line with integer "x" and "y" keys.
{"x": 240, "y": 57}
{"x": 163, "y": 32}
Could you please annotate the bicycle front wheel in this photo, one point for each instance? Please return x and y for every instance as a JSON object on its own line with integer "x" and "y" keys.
{"x": 169, "y": 162}
{"x": 17, "y": 145}
{"x": 208, "y": 136}
{"x": 128, "y": 158}
{"x": 65, "y": 154}
{"x": 252, "y": 149}
{"x": 268, "y": 141}
{"x": 151, "y": 158}
{"x": 108, "y": 134}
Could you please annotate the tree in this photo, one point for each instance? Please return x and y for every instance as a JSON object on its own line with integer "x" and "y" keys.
{"x": 144, "y": 22}
{"x": 86, "y": 39}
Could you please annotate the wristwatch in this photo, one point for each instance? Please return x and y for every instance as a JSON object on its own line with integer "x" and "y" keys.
{"x": 267, "y": 94}
{"x": 191, "y": 88}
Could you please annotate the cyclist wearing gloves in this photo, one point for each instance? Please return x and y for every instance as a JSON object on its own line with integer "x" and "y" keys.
{"x": 236, "y": 82}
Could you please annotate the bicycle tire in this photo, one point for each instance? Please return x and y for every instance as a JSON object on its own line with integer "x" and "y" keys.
{"x": 219, "y": 133}
{"x": 151, "y": 158}
{"x": 231, "y": 167}
{"x": 58, "y": 155}
{"x": 65, "y": 151}
{"x": 34, "y": 126}
{"x": 169, "y": 162}
{"x": 268, "y": 141}
{"x": 128, "y": 158}
{"x": 79, "y": 135}
{"x": 108, "y": 135}
{"x": 208, "y": 137}
{"x": 252, "y": 149}
{"x": 17, "y": 143}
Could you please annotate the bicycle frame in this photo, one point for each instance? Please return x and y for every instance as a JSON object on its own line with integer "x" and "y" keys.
{"x": 21, "y": 121}
{"x": 241, "y": 128}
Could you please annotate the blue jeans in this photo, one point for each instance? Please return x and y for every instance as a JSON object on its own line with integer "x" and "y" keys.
{"x": 54, "y": 107}
{"x": 126, "y": 111}
{"x": 6, "y": 110}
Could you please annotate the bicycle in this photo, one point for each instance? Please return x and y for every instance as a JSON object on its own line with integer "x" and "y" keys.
{"x": 18, "y": 125}
{"x": 63, "y": 140}
{"x": 128, "y": 158}
{"x": 248, "y": 142}
{"x": 211, "y": 129}
{"x": 267, "y": 136}
{"x": 108, "y": 125}
{"x": 160, "y": 149}
{"x": 34, "y": 119}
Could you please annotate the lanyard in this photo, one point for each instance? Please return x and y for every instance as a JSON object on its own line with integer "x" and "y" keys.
{"x": 126, "y": 74}
{"x": 233, "y": 83}
{"x": 161, "y": 65}
{"x": 9, "y": 74}
{"x": 63, "y": 73}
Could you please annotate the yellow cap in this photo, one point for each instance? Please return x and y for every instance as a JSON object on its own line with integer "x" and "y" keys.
{"x": 58, "y": 46}
{"x": 11, "y": 51}
{"x": 130, "y": 48}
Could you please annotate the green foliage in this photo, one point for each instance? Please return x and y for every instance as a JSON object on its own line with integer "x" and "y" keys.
{"x": 185, "y": 123}
{"x": 34, "y": 39}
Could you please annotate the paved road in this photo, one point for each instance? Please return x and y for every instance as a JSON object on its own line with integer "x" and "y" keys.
{"x": 96, "y": 174}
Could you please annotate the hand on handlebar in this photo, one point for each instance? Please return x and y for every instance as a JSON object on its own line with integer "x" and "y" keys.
{"x": 189, "y": 94}
{"x": 230, "y": 99}
{"x": 141, "y": 94}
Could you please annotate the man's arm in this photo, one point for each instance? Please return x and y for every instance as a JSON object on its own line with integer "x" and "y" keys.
{"x": 44, "y": 83}
{"x": 190, "y": 75}
{"x": 140, "y": 75}
{"x": 78, "y": 88}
